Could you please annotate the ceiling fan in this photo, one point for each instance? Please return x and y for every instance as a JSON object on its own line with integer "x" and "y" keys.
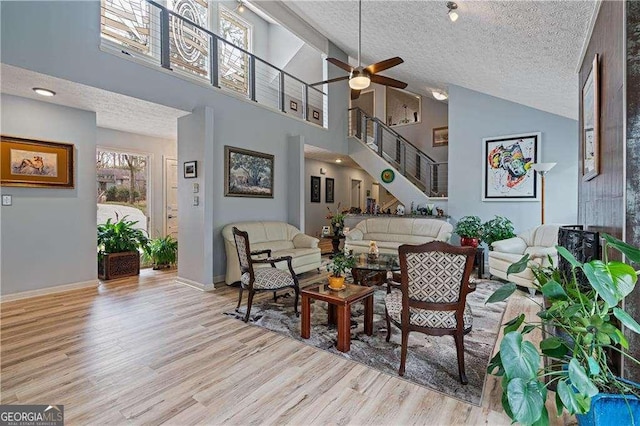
{"x": 361, "y": 77}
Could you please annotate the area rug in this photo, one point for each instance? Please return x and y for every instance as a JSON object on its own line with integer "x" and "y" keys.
{"x": 431, "y": 360}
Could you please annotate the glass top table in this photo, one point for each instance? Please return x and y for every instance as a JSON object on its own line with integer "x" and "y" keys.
{"x": 369, "y": 271}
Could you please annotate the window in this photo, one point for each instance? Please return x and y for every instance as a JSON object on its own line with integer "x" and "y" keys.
{"x": 127, "y": 23}
{"x": 189, "y": 46}
{"x": 234, "y": 64}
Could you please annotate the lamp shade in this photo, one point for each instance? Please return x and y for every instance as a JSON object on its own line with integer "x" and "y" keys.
{"x": 359, "y": 82}
{"x": 543, "y": 167}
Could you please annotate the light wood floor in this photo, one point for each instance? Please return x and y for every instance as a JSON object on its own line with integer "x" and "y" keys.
{"x": 148, "y": 350}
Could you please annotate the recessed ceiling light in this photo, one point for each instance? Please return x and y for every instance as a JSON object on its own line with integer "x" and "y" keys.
{"x": 453, "y": 15}
{"x": 339, "y": 160}
{"x": 439, "y": 95}
{"x": 44, "y": 92}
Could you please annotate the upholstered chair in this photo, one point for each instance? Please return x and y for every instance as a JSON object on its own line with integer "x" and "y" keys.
{"x": 262, "y": 279}
{"x": 433, "y": 295}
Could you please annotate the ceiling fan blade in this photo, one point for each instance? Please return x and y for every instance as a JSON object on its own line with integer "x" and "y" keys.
{"x": 380, "y": 79}
{"x": 333, "y": 80}
{"x": 338, "y": 63}
{"x": 384, "y": 65}
{"x": 355, "y": 94}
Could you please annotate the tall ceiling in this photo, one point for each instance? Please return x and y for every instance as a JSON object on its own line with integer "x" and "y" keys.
{"x": 522, "y": 51}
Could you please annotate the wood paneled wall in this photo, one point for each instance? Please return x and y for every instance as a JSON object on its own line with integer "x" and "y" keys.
{"x": 600, "y": 200}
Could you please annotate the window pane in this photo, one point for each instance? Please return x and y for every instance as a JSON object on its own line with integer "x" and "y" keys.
{"x": 189, "y": 46}
{"x": 126, "y": 22}
{"x": 234, "y": 63}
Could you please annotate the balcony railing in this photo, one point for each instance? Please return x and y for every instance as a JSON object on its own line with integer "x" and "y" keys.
{"x": 175, "y": 42}
{"x": 422, "y": 170}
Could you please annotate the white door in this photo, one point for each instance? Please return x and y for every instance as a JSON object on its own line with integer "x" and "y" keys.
{"x": 171, "y": 196}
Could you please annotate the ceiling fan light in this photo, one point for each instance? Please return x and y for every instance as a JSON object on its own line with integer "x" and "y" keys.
{"x": 439, "y": 95}
{"x": 453, "y": 15}
{"x": 359, "y": 82}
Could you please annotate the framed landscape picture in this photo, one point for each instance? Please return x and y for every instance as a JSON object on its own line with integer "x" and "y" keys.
{"x": 329, "y": 190}
{"x": 589, "y": 117}
{"x": 190, "y": 169}
{"x": 507, "y": 172}
{"x": 33, "y": 163}
{"x": 440, "y": 136}
{"x": 315, "y": 189}
{"x": 248, "y": 173}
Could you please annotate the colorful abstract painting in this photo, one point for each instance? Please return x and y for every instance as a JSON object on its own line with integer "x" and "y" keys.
{"x": 507, "y": 172}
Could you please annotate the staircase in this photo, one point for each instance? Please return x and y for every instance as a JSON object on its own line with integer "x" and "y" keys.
{"x": 375, "y": 147}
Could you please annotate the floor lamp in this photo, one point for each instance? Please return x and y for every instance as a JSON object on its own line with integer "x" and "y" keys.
{"x": 542, "y": 169}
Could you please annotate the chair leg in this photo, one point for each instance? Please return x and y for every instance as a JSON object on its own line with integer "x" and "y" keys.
{"x": 386, "y": 314}
{"x": 295, "y": 303}
{"x": 459, "y": 338}
{"x": 275, "y": 298}
{"x": 239, "y": 298}
{"x": 403, "y": 351}
{"x": 249, "y": 302}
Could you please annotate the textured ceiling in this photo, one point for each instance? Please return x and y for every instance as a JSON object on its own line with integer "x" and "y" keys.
{"x": 113, "y": 111}
{"x": 522, "y": 51}
{"x": 315, "y": 153}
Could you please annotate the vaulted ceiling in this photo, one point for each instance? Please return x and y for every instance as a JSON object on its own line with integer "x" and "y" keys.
{"x": 523, "y": 51}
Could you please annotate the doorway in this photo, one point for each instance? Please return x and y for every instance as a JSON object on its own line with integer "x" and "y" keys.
{"x": 171, "y": 197}
{"x": 355, "y": 193}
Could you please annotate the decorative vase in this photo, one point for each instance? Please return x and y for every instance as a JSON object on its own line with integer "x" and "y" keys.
{"x": 469, "y": 242}
{"x": 611, "y": 410}
{"x": 374, "y": 252}
{"x": 336, "y": 283}
{"x": 337, "y": 228}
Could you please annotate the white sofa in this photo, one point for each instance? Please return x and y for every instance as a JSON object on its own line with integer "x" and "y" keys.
{"x": 283, "y": 239}
{"x": 389, "y": 233}
{"x": 538, "y": 242}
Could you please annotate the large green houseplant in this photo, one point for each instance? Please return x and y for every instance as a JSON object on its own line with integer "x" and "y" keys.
{"x": 496, "y": 229}
{"x": 580, "y": 328}
{"x": 119, "y": 246}
{"x": 469, "y": 228}
{"x": 162, "y": 252}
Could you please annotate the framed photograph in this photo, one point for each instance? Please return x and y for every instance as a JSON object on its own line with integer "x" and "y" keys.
{"x": 326, "y": 230}
{"x": 590, "y": 119}
{"x": 190, "y": 169}
{"x": 293, "y": 105}
{"x": 329, "y": 190}
{"x": 440, "y": 136}
{"x": 315, "y": 189}
{"x": 507, "y": 172}
{"x": 33, "y": 163}
{"x": 316, "y": 115}
{"x": 247, "y": 173}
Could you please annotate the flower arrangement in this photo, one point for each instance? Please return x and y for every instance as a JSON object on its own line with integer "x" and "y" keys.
{"x": 337, "y": 220}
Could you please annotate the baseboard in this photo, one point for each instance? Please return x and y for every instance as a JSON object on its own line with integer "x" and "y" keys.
{"x": 219, "y": 279}
{"x": 195, "y": 284}
{"x": 49, "y": 290}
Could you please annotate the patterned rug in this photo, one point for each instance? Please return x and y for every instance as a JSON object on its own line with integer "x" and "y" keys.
{"x": 431, "y": 360}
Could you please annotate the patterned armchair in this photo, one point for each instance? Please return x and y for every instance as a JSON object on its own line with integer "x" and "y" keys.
{"x": 262, "y": 279}
{"x": 433, "y": 295}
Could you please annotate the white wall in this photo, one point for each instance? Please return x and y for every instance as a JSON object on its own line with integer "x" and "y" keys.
{"x": 315, "y": 213}
{"x": 49, "y": 235}
{"x": 474, "y": 116}
{"x": 158, "y": 149}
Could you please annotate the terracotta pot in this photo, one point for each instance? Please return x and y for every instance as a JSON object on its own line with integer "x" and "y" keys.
{"x": 469, "y": 242}
{"x": 336, "y": 283}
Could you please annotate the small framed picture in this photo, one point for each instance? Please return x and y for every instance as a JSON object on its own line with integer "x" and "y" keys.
{"x": 293, "y": 105}
{"x": 440, "y": 136}
{"x": 190, "y": 169}
{"x": 329, "y": 190}
{"x": 315, "y": 189}
{"x": 326, "y": 231}
{"x": 316, "y": 115}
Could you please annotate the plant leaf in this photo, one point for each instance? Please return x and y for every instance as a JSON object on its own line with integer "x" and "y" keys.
{"x": 525, "y": 400}
{"x": 612, "y": 281}
{"x": 544, "y": 418}
{"x": 519, "y": 266}
{"x": 567, "y": 255}
{"x": 514, "y": 324}
{"x": 554, "y": 347}
{"x": 519, "y": 358}
{"x": 568, "y": 397}
{"x": 495, "y": 362}
{"x": 528, "y": 328}
{"x": 502, "y": 293}
{"x": 594, "y": 368}
{"x": 553, "y": 290}
{"x": 579, "y": 379}
{"x": 627, "y": 320}
{"x": 632, "y": 253}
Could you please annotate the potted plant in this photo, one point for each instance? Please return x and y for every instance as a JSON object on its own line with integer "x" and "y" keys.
{"x": 337, "y": 220}
{"x": 119, "y": 245}
{"x": 470, "y": 230}
{"x": 340, "y": 263}
{"x": 162, "y": 252}
{"x": 580, "y": 327}
{"x": 496, "y": 229}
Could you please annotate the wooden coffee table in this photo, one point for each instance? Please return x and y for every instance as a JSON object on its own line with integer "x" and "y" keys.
{"x": 339, "y": 310}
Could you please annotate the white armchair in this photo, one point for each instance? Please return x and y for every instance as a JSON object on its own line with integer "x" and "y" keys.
{"x": 538, "y": 242}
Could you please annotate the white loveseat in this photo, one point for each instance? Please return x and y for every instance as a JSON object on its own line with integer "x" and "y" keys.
{"x": 389, "y": 233}
{"x": 538, "y": 242}
{"x": 281, "y": 238}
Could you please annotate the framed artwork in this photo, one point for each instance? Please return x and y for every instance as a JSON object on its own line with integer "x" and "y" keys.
{"x": 247, "y": 173}
{"x": 190, "y": 169}
{"x": 590, "y": 119}
{"x": 316, "y": 115}
{"x": 315, "y": 189}
{"x": 33, "y": 163}
{"x": 329, "y": 188}
{"x": 293, "y": 105}
{"x": 507, "y": 172}
{"x": 440, "y": 136}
